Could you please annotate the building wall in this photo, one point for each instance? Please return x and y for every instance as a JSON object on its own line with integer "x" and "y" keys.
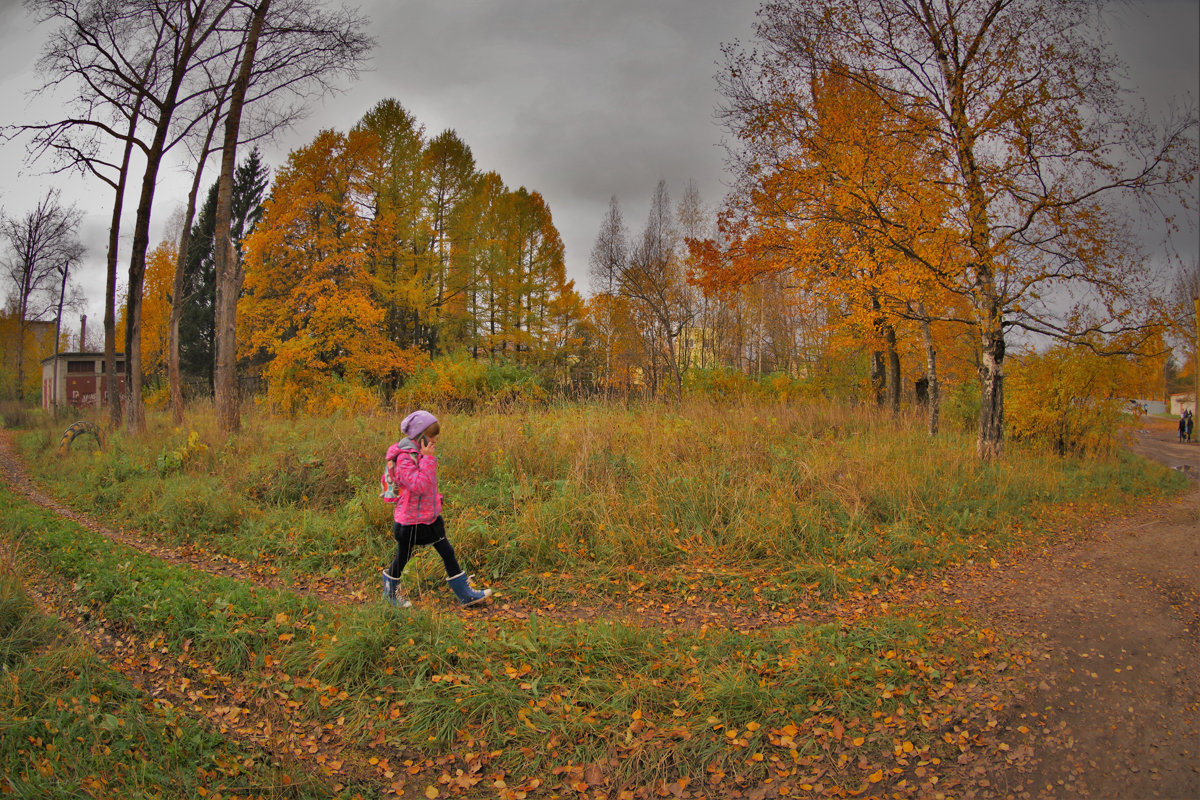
{"x": 81, "y": 380}
{"x": 1183, "y": 402}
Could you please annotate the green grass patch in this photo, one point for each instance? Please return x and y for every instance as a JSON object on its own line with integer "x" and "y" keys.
{"x": 230, "y": 622}
{"x": 596, "y": 491}
{"x": 764, "y": 506}
{"x": 73, "y": 728}
{"x": 664, "y": 702}
{"x": 542, "y": 694}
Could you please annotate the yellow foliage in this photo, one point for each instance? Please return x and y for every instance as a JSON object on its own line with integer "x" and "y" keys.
{"x": 308, "y": 303}
{"x": 463, "y": 382}
{"x": 1070, "y": 399}
{"x": 37, "y": 344}
{"x": 156, "y": 306}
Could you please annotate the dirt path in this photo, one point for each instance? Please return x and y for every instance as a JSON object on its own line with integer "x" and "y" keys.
{"x": 1115, "y": 618}
{"x": 12, "y": 472}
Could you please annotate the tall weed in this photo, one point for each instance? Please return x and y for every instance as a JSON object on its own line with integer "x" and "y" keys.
{"x": 830, "y": 493}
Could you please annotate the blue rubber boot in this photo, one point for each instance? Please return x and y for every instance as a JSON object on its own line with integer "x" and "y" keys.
{"x": 391, "y": 592}
{"x": 461, "y": 584}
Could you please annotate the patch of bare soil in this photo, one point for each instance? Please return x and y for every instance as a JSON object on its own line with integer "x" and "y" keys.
{"x": 1115, "y": 618}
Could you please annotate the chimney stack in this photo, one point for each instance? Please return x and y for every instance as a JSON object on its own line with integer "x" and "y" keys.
{"x": 83, "y": 333}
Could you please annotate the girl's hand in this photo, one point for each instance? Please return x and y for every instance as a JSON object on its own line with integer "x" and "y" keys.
{"x": 427, "y": 449}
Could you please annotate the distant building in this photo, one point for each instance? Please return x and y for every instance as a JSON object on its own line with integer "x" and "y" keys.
{"x": 81, "y": 380}
{"x": 1184, "y": 401}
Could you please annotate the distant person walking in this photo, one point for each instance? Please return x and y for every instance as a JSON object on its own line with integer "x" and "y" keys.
{"x": 1191, "y": 419}
{"x": 411, "y": 467}
{"x": 1183, "y": 428}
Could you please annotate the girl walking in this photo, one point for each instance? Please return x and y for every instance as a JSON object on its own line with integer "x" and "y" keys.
{"x": 412, "y": 467}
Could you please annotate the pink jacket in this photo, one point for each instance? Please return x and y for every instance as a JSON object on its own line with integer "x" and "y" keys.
{"x": 415, "y": 475}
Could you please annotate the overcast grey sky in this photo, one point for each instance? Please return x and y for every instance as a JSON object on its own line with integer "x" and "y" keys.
{"x": 577, "y": 99}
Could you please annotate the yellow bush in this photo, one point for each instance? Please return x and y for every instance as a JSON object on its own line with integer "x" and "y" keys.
{"x": 1068, "y": 398}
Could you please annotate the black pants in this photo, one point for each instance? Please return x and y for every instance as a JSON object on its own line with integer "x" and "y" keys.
{"x": 410, "y": 536}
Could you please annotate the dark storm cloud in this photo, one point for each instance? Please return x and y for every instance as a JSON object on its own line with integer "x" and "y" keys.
{"x": 577, "y": 99}
{"x": 1158, "y": 42}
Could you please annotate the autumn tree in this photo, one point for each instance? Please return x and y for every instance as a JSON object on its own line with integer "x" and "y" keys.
{"x": 41, "y": 246}
{"x": 308, "y": 308}
{"x": 607, "y": 261}
{"x": 475, "y": 254}
{"x": 523, "y": 283}
{"x": 303, "y": 44}
{"x": 419, "y": 251}
{"x": 1022, "y": 103}
{"x": 810, "y": 209}
{"x": 146, "y": 73}
{"x": 197, "y": 292}
{"x": 1183, "y": 315}
{"x": 450, "y": 166}
{"x": 395, "y": 188}
{"x": 1073, "y": 399}
{"x": 156, "y": 307}
{"x": 655, "y": 280}
{"x": 227, "y": 260}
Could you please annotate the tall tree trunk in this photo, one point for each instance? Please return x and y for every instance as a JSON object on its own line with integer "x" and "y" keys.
{"x": 878, "y": 377}
{"x": 893, "y": 368}
{"x": 62, "y": 293}
{"x": 174, "y": 378}
{"x": 933, "y": 396}
{"x": 878, "y": 362}
{"x": 228, "y": 265}
{"x": 135, "y": 409}
{"x": 987, "y": 308}
{"x": 991, "y": 389}
{"x": 110, "y": 301}
{"x": 674, "y": 367}
{"x": 110, "y": 285}
{"x": 21, "y": 328}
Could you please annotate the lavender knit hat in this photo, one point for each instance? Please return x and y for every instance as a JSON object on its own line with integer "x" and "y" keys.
{"x": 416, "y": 423}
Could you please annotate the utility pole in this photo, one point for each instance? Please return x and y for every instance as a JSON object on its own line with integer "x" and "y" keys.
{"x": 1196, "y": 358}
{"x": 57, "y": 330}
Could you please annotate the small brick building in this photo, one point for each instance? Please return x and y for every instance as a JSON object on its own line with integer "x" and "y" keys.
{"x": 1184, "y": 401}
{"x": 81, "y": 380}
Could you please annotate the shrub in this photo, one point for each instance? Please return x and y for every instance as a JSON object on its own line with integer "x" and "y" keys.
{"x": 1067, "y": 399}
{"x": 311, "y": 391}
{"x": 960, "y": 406}
{"x": 725, "y": 383}
{"x": 462, "y": 382}
{"x": 15, "y": 414}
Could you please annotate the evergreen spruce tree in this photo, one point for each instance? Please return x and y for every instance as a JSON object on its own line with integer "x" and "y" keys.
{"x": 197, "y": 323}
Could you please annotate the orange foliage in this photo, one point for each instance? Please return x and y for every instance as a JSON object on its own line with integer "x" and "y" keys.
{"x": 308, "y": 304}
{"x": 844, "y": 210}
